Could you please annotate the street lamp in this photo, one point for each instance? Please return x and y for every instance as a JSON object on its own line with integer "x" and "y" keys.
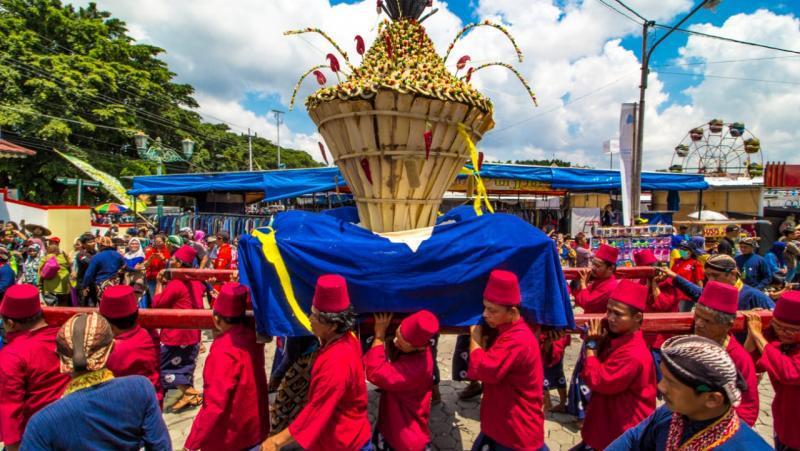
{"x": 636, "y": 172}
{"x": 161, "y": 154}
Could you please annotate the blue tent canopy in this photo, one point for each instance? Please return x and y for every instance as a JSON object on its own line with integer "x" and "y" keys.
{"x": 276, "y": 185}
{"x": 592, "y": 180}
{"x": 291, "y": 183}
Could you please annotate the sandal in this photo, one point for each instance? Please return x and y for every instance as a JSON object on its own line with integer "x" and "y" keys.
{"x": 187, "y": 401}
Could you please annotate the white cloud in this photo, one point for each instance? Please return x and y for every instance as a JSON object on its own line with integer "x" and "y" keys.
{"x": 573, "y": 60}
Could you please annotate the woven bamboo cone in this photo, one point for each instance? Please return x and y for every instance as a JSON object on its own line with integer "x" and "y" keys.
{"x": 406, "y": 189}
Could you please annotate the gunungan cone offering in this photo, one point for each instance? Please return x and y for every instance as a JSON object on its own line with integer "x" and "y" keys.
{"x": 392, "y": 125}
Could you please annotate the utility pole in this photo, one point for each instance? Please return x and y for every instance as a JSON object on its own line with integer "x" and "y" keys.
{"x": 250, "y": 149}
{"x": 278, "y": 121}
{"x": 636, "y": 163}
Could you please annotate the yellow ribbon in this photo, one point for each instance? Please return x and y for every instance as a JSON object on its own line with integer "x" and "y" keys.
{"x": 481, "y": 195}
{"x": 269, "y": 246}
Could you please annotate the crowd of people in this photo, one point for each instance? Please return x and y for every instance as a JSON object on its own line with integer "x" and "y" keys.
{"x": 103, "y": 376}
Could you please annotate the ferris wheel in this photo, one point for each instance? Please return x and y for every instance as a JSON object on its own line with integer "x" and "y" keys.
{"x": 719, "y": 148}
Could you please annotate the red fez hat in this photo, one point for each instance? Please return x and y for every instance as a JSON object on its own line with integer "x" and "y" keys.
{"x": 502, "y": 288}
{"x": 645, "y": 257}
{"x": 787, "y": 309}
{"x": 419, "y": 328}
{"x": 607, "y": 253}
{"x": 331, "y": 296}
{"x": 185, "y": 254}
{"x": 21, "y": 302}
{"x": 119, "y": 301}
{"x": 631, "y": 293}
{"x": 720, "y": 297}
{"x": 232, "y": 300}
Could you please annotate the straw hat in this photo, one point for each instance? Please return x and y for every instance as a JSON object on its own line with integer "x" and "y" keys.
{"x": 32, "y": 227}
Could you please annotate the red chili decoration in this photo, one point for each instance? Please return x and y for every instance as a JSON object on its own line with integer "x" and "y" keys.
{"x": 359, "y": 45}
{"x": 379, "y": 6}
{"x": 480, "y": 161}
{"x": 430, "y": 3}
{"x": 333, "y": 62}
{"x": 320, "y": 77}
{"x": 322, "y": 150}
{"x": 388, "y": 41}
{"x": 462, "y": 62}
{"x": 428, "y": 136}
{"x": 367, "y": 171}
{"x": 469, "y": 73}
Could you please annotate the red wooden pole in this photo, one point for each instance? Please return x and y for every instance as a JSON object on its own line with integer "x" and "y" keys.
{"x": 625, "y": 272}
{"x": 672, "y": 323}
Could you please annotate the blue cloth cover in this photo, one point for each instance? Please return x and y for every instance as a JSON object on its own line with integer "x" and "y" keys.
{"x": 447, "y": 274}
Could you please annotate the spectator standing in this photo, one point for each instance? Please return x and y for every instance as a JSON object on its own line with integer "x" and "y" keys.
{"x": 754, "y": 269}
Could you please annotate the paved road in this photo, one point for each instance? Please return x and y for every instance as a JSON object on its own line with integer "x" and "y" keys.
{"x": 455, "y": 423}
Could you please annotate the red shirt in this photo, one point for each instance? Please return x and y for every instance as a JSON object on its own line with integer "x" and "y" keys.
{"x": 158, "y": 262}
{"x": 783, "y": 367}
{"x": 335, "y": 416}
{"x": 137, "y": 351}
{"x": 224, "y": 257}
{"x": 235, "y": 412}
{"x": 749, "y": 407}
{"x": 556, "y": 350}
{"x": 30, "y": 379}
{"x": 405, "y": 406}
{"x": 623, "y": 384}
{"x": 690, "y": 269}
{"x": 666, "y": 302}
{"x": 513, "y": 377}
{"x": 594, "y": 298}
{"x": 179, "y": 294}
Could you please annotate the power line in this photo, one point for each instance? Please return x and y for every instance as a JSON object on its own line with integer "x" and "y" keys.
{"x": 631, "y": 10}
{"x": 731, "y": 78}
{"x": 36, "y": 113}
{"x": 736, "y": 41}
{"x": 620, "y": 12}
{"x": 744, "y": 60}
{"x": 72, "y": 52}
{"x": 571, "y": 101}
{"x": 163, "y": 122}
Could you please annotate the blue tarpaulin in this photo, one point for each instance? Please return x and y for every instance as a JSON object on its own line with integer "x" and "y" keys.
{"x": 291, "y": 183}
{"x": 276, "y": 185}
{"x": 446, "y": 275}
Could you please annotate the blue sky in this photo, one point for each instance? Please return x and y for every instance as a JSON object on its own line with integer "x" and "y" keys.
{"x": 581, "y": 59}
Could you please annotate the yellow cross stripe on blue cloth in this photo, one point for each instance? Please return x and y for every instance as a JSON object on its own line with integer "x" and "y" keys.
{"x": 269, "y": 246}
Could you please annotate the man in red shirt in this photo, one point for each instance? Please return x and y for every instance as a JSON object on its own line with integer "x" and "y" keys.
{"x": 713, "y": 319}
{"x": 618, "y": 369}
{"x": 406, "y": 382}
{"x": 662, "y": 298}
{"x": 225, "y": 252}
{"x": 179, "y": 347}
{"x": 335, "y": 416}
{"x": 30, "y": 375}
{"x": 136, "y": 351}
{"x": 155, "y": 260}
{"x": 510, "y": 369}
{"x": 235, "y": 412}
{"x": 690, "y": 268}
{"x": 595, "y": 287}
{"x": 780, "y": 358}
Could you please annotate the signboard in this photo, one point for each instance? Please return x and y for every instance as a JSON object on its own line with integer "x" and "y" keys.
{"x": 496, "y": 186}
{"x": 74, "y": 182}
{"x": 611, "y": 146}
{"x": 627, "y": 124}
{"x": 782, "y": 198}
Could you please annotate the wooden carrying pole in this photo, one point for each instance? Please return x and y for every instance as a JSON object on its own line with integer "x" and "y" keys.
{"x": 669, "y": 323}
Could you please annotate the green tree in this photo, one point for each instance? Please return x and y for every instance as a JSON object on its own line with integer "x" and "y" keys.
{"x": 72, "y": 79}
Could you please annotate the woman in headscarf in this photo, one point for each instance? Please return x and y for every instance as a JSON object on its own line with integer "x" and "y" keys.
{"x": 775, "y": 258}
{"x": 30, "y": 268}
{"x": 134, "y": 255}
